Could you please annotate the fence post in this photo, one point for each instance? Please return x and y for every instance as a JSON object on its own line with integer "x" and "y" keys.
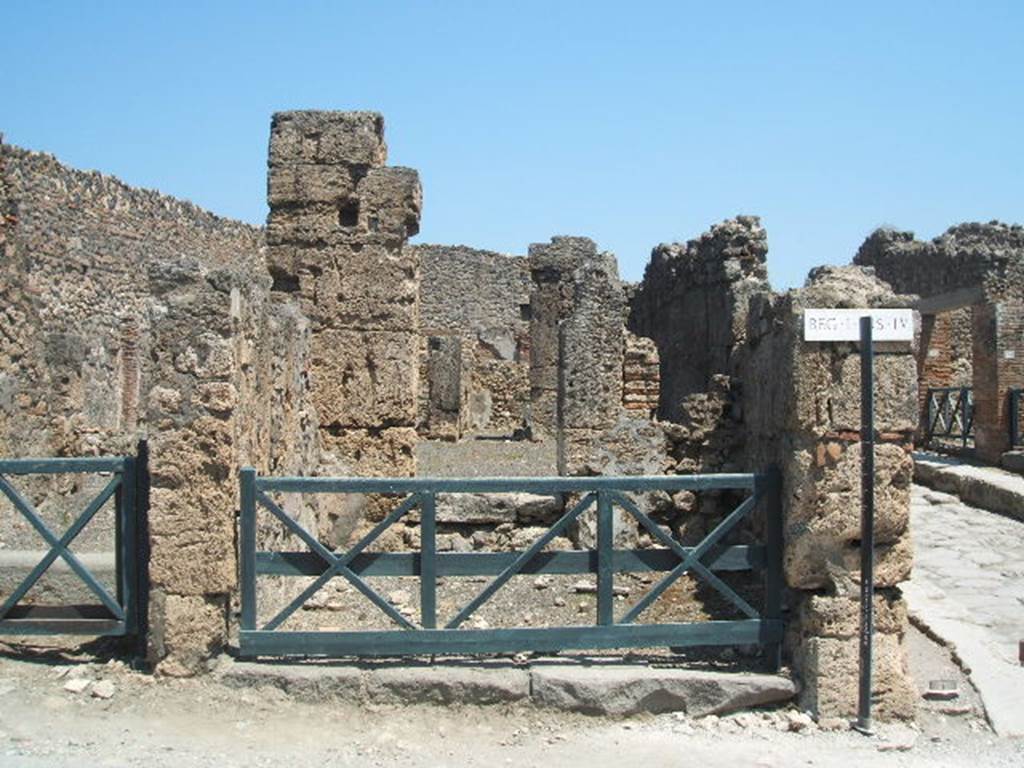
{"x": 247, "y": 539}
{"x": 1015, "y": 438}
{"x": 768, "y": 487}
{"x": 128, "y": 545}
{"x": 428, "y": 561}
{"x": 605, "y": 566}
{"x": 964, "y": 421}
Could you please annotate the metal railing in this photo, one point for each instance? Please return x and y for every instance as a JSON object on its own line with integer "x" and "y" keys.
{"x": 762, "y": 627}
{"x": 114, "y": 614}
{"x": 950, "y": 415}
{"x": 1016, "y": 417}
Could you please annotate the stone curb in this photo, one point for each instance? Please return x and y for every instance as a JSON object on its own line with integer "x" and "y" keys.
{"x": 607, "y": 690}
{"x": 978, "y": 486}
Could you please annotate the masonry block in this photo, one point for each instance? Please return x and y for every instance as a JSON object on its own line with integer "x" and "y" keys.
{"x": 364, "y": 379}
{"x": 320, "y": 137}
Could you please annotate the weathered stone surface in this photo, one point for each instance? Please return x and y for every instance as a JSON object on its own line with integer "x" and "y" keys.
{"x": 828, "y": 668}
{"x": 494, "y": 508}
{"x": 191, "y": 632}
{"x": 618, "y": 691}
{"x": 693, "y": 304}
{"x": 484, "y": 298}
{"x": 592, "y": 347}
{"x": 985, "y": 487}
{"x": 551, "y": 301}
{"x": 371, "y": 452}
{"x": 308, "y": 183}
{"x": 313, "y": 684}
{"x": 629, "y": 447}
{"x": 839, "y": 616}
{"x": 364, "y": 379}
{"x": 327, "y": 138}
{"x": 895, "y": 394}
{"x": 447, "y": 685}
{"x": 390, "y": 201}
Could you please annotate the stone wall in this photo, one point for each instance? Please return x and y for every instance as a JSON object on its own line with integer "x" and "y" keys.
{"x": 986, "y": 261}
{"x": 130, "y": 315}
{"x": 801, "y": 403}
{"x": 693, "y": 302}
{"x": 483, "y": 298}
{"x": 336, "y": 234}
{"x": 987, "y": 255}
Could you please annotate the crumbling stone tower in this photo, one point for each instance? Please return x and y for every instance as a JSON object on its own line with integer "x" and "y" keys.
{"x": 337, "y": 232}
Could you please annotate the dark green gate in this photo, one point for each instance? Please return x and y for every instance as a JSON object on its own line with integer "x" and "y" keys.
{"x": 112, "y": 614}
{"x": 762, "y": 627}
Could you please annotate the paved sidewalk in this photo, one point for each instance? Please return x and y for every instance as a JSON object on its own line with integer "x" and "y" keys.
{"x": 979, "y": 485}
{"x": 968, "y": 588}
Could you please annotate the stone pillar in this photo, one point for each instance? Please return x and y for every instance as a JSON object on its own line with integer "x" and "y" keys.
{"x": 802, "y": 408}
{"x": 998, "y": 365}
{"x": 446, "y": 371}
{"x": 578, "y": 344}
{"x": 193, "y": 443}
{"x": 337, "y": 232}
{"x": 551, "y": 267}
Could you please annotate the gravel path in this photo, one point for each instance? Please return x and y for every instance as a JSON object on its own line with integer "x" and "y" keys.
{"x": 199, "y": 723}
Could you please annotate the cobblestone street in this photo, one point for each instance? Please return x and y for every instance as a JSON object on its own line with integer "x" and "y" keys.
{"x": 968, "y": 588}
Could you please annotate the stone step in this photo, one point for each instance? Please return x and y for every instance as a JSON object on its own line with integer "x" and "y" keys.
{"x": 610, "y": 689}
{"x": 977, "y": 485}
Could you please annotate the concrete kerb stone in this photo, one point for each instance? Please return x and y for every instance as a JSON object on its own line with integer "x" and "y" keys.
{"x": 979, "y": 486}
{"x": 614, "y": 690}
{"x": 622, "y": 691}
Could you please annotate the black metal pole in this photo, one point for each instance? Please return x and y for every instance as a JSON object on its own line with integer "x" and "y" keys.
{"x": 867, "y": 520}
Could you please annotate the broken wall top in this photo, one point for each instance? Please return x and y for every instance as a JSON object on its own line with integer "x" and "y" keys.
{"x": 990, "y": 256}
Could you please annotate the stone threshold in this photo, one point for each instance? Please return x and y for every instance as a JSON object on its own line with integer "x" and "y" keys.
{"x": 976, "y": 485}
{"x": 603, "y": 689}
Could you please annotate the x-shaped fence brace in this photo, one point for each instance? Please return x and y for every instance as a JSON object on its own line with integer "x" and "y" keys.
{"x": 951, "y": 413}
{"x": 337, "y": 564}
{"x": 59, "y": 546}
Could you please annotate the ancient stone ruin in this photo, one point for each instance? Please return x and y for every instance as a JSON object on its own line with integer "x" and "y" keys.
{"x": 326, "y": 344}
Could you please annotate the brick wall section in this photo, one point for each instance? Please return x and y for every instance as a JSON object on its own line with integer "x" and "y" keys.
{"x": 336, "y": 233}
{"x": 944, "y": 356}
{"x": 641, "y": 376}
{"x": 998, "y": 367}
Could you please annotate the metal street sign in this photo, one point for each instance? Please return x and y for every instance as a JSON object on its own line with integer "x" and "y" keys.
{"x": 844, "y": 324}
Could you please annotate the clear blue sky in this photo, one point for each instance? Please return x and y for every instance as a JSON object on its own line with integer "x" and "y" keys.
{"x": 632, "y": 123}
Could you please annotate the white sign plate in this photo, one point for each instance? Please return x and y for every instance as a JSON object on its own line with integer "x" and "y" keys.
{"x": 844, "y": 324}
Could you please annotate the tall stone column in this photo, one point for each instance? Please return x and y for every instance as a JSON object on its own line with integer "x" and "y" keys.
{"x": 337, "y": 232}
{"x": 552, "y": 267}
{"x": 802, "y": 409}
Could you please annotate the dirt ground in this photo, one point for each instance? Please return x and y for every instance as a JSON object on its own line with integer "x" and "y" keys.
{"x": 199, "y": 722}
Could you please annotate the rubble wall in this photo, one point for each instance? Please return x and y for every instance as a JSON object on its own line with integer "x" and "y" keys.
{"x": 801, "y": 403}
{"x": 693, "y": 302}
{"x": 483, "y": 298}
{"x": 131, "y": 315}
{"x": 987, "y": 255}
